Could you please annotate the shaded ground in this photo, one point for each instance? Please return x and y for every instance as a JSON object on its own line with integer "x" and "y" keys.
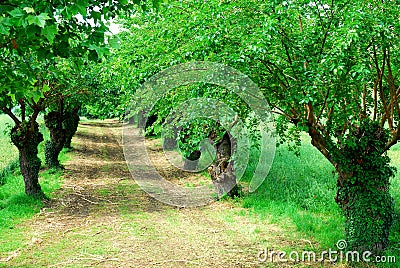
{"x": 100, "y": 217}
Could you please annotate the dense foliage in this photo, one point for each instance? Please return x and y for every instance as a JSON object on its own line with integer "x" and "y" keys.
{"x": 328, "y": 68}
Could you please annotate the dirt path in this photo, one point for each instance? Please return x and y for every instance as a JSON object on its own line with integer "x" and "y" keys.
{"x": 100, "y": 217}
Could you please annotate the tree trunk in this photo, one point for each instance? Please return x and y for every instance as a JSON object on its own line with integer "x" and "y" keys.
{"x": 192, "y": 161}
{"x": 171, "y": 143}
{"x": 141, "y": 118}
{"x": 26, "y": 137}
{"x": 131, "y": 120}
{"x": 369, "y": 213}
{"x": 222, "y": 171}
{"x": 70, "y": 124}
{"x": 150, "y": 121}
{"x": 363, "y": 188}
{"x": 57, "y": 140}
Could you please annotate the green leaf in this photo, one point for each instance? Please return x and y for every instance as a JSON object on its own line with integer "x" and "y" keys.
{"x": 81, "y": 7}
{"x": 96, "y": 16}
{"x": 39, "y": 20}
{"x": 50, "y": 32}
{"x": 4, "y": 30}
{"x": 45, "y": 88}
{"x": 114, "y": 42}
{"x": 12, "y": 97}
{"x": 17, "y": 13}
{"x": 156, "y": 4}
{"x": 102, "y": 51}
{"x": 29, "y": 10}
{"x": 36, "y": 97}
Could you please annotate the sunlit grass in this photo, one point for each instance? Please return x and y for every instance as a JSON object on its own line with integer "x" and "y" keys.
{"x": 301, "y": 191}
{"x": 15, "y": 205}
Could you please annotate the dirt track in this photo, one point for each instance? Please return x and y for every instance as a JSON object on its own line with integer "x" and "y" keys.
{"x": 100, "y": 217}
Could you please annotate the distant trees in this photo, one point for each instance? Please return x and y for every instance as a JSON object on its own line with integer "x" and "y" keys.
{"x": 328, "y": 68}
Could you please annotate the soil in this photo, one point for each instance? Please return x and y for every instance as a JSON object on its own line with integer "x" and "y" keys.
{"x": 100, "y": 217}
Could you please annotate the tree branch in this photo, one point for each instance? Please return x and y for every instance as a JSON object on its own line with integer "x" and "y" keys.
{"x": 11, "y": 114}
{"x": 324, "y": 105}
{"x": 23, "y": 109}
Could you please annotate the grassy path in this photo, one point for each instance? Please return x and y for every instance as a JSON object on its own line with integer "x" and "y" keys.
{"x": 100, "y": 217}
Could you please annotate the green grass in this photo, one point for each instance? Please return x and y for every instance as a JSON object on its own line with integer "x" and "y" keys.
{"x": 8, "y": 152}
{"x": 15, "y": 205}
{"x": 7, "y": 171}
{"x": 394, "y": 249}
{"x": 300, "y": 191}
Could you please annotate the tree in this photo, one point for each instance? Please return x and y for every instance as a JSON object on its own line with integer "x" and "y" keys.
{"x": 137, "y": 61}
{"x": 329, "y": 68}
{"x": 70, "y": 124}
{"x": 34, "y": 35}
{"x": 106, "y": 82}
{"x": 62, "y": 117}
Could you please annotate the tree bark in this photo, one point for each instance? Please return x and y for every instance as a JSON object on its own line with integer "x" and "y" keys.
{"x": 57, "y": 140}
{"x": 70, "y": 124}
{"x": 26, "y": 137}
{"x": 222, "y": 172}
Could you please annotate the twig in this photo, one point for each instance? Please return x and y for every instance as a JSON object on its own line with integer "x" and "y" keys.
{"x": 308, "y": 241}
{"x": 84, "y": 198}
{"x": 12, "y": 255}
{"x": 66, "y": 231}
{"x": 96, "y": 259}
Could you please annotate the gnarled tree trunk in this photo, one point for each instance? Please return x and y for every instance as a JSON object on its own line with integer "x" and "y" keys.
{"x": 369, "y": 213}
{"x": 222, "y": 172}
{"x": 363, "y": 188}
{"x": 70, "y": 124}
{"x": 58, "y": 136}
{"x": 26, "y": 137}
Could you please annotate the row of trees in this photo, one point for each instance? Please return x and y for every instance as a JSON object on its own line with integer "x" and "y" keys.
{"x": 45, "y": 47}
{"x": 328, "y": 68}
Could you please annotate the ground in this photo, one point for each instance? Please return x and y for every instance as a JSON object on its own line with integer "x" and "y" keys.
{"x": 100, "y": 217}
